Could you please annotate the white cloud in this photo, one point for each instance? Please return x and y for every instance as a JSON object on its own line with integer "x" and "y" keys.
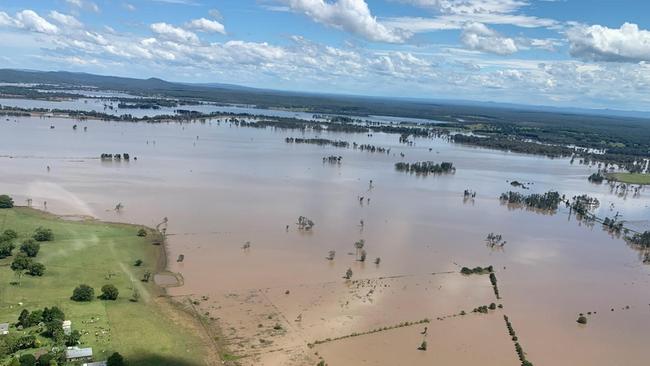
{"x": 477, "y": 36}
{"x": 172, "y": 33}
{"x": 599, "y": 43}
{"x": 29, "y": 20}
{"x": 83, "y": 4}
{"x": 129, "y": 7}
{"x": 351, "y": 16}
{"x": 453, "y": 14}
{"x": 207, "y": 25}
{"x": 6, "y": 20}
{"x": 216, "y": 14}
{"x": 65, "y": 20}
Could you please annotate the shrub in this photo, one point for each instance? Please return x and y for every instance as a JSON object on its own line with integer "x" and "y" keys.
{"x": 30, "y": 248}
{"x": 10, "y": 234}
{"x": 582, "y": 319}
{"x": 138, "y": 263}
{"x": 115, "y": 359}
{"x": 36, "y": 269}
{"x": 53, "y": 313}
{"x": 47, "y": 359}
{"x": 142, "y": 232}
{"x": 21, "y": 262}
{"x": 73, "y": 338}
{"x": 6, "y": 249}
{"x": 109, "y": 292}
{"x": 83, "y": 293}
{"x": 43, "y": 234}
{"x": 27, "y": 360}
{"x": 6, "y": 201}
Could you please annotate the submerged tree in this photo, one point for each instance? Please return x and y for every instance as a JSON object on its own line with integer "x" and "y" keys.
{"x": 358, "y": 245}
{"x": 348, "y": 274}
{"x": 330, "y": 255}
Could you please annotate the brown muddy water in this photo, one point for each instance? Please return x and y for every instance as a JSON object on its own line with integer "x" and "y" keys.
{"x": 222, "y": 186}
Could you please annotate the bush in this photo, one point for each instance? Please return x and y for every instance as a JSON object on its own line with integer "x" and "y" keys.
{"x": 115, "y": 359}
{"x": 6, "y": 249}
{"x": 53, "y": 313}
{"x": 10, "y": 234}
{"x": 21, "y": 262}
{"x": 6, "y": 201}
{"x": 36, "y": 269}
{"x": 142, "y": 232}
{"x": 109, "y": 292}
{"x": 582, "y": 319}
{"x": 83, "y": 293}
{"x": 47, "y": 359}
{"x": 43, "y": 234}
{"x": 30, "y": 248}
{"x": 27, "y": 360}
{"x": 138, "y": 263}
{"x": 73, "y": 338}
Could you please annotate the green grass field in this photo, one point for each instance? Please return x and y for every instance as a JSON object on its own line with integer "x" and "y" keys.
{"x": 631, "y": 178}
{"x": 97, "y": 253}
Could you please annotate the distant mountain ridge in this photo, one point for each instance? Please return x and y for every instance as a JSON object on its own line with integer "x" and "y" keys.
{"x": 318, "y": 103}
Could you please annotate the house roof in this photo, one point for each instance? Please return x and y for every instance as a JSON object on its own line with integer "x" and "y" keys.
{"x": 76, "y": 352}
{"x": 4, "y": 327}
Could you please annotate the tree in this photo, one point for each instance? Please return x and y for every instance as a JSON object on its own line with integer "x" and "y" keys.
{"x": 582, "y": 319}
{"x": 83, "y": 293}
{"x": 36, "y": 269}
{"x": 27, "y": 360}
{"x": 142, "y": 232}
{"x": 53, "y": 313}
{"x": 10, "y": 234}
{"x": 423, "y": 346}
{"x": 359, "y": 246}
{"x": 6, "y": 249}
{"x": 23, "y": 318}
{"x": 115, "y": 359}
{"x": 6, "y": 201}
{"x": 47, "y": 359}
{"x": 138, "y": 263}
{"x": 348, "y": 274}
{"x": 109, "y": 292}
{"x": 73, "y": 338}
{"x": 21, "y": 262}
{"x": 43, "y": 234}
{"x": 30, "y": 248}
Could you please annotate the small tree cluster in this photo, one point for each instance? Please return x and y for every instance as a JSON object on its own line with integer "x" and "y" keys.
{"x": 109, "y": 292}
{"x": 83, "y": 293}
{"x": 6, "y": 201}
{"x": 43, "y": 234}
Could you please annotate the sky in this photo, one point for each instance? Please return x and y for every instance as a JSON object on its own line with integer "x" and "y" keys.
{"x": 566, "y": 53}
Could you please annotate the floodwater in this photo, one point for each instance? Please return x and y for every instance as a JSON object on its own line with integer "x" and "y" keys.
{"x": 221, "y": 186}
{"x": 100, "y": 105}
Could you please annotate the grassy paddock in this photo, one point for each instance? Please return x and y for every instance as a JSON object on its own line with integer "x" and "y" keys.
{"x": 98, "y": 253}
{"x": 631, "y": 178}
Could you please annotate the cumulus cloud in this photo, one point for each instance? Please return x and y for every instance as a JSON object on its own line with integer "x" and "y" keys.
{"x": 352, "y": 16}
{"x": 30, "y": 20}
{"x": 172, "y": 33}
{"x": 207, "y": 25}
{"x": 599, "y": 43}
{"x": 477, "y": 36}
{"x": 65, "y": 20}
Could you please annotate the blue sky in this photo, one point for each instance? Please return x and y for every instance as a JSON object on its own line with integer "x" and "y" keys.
{"x": 577, "y": 53}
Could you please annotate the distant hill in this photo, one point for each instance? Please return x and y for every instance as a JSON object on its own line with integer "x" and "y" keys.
{"x": 328, "y": 103}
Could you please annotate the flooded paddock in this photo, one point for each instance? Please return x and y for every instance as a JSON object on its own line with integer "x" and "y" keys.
{"x": 222, "y": 186}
